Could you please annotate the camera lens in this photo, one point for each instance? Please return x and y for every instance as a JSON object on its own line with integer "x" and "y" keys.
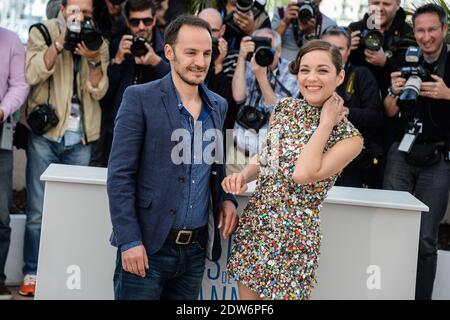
{"x": 264, "y": 56}
{"x": 138, "y": 48}
{"x": 373, "y": 39}
{"x": 410, "y": 93}
{"x": 215, "y": 48}
{"x": 90, "y": 35}
{"x": 305, "y": 13}
{"x": 244, "y": 5}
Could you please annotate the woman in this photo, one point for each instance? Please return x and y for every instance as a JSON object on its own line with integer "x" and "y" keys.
{"x": 276, "y": 248}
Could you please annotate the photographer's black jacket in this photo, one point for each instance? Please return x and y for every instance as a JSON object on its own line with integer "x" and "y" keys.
{"x": 361, "y": 95}
{"x": 397, "y": 39}
{"x": 433, "y": 114}
{"x": 121, "y": 77}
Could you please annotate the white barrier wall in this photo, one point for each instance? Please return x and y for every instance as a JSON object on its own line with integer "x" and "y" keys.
{"x": 369, "y": 250}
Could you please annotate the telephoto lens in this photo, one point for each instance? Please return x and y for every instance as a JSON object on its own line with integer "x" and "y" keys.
{"x": 307, "y": 10}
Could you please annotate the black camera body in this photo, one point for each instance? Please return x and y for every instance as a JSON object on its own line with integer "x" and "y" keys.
{"x": 372, "y": 39}
{"x": 251, "y": 118}
{"x": 42, "y": 119}
{"x": 307, "y": 10}
{"x": 415, "y": 74}
{"x": 264, "y": 53}
{"x": 138, "y": 48}
{"x": 88, "y": 33}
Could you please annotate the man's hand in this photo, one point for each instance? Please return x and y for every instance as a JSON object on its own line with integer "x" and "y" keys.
{"x": 135, "y": 260}
{"x": 435, "y": 89}
{"x": 223, "y": 51}
{"x": 245, "y": 21}
{"x": 291, "y": 13}
{"x": 356, "y": 39}
{"x": 124, "y": 48}
{"x": 150, "y": 59}
{"x": 247, "y": 46}
{"x": 376, "y": 58}
{"x": 259, "y": 72}
{"x": 83, "y": 51}
{"x": 397, "y": 82}
{"x": 309, "y": 27}
{"x": 228, "y": 218}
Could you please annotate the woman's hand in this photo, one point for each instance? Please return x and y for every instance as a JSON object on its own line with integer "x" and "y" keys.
{"x": 332, "y": 111}
{"x": 235, "y": 183}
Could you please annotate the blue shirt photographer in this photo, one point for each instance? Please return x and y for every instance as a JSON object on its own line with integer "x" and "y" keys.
{"x": 284, "y": 85}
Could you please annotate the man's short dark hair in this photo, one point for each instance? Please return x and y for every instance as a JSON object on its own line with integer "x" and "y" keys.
{"x": 171, "y": 33}
{"x": 431, "y": 8}
{"x": 139, "y": 5}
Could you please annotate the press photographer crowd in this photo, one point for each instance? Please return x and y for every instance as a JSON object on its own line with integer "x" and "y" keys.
{"x": 104, "y": 83}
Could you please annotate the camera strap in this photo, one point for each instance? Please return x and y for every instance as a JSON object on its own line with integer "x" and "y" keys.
{"x": 48, "y": 41}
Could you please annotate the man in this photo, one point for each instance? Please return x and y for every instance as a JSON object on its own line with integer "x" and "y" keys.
{"x": 127, "y": 69}
{"x": 107, "y": 13}
{"x": 387, "y": 17}
{"x": 293, "y": 31}
{"x": 258, "y": 88}
{"x": 364, "y": 109}
{"x": 161, "y": 189}
{"x": 219, "y": 79}
{"x": 13, "y": 92}
{"x": 418, "y": 160}
{"x": 242, "y": 21}
{"x": 50, "y": 70}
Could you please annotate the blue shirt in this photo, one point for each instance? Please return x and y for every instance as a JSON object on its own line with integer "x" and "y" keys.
{"x": 193, "y": 210}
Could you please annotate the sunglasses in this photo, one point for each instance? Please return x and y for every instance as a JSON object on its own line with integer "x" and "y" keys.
{"x": 135, "y": 22}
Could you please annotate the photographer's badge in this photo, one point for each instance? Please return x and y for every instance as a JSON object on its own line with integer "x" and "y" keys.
{"x": 75, "y": 116}
{"x": 413, "y": 131}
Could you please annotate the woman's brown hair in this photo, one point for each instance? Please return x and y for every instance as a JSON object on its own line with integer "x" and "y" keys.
{"x": 317, "y": 45}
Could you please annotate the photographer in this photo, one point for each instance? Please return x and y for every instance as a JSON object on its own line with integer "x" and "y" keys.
{"x": 298, "y": 22}
{"x": 13, "y": 93}
{"x": 418, "y": 161}
{"x": 379, "y": 38}
{"x": 138, "y": 57}
{"x": 107, "y": 13}
{"x": 218, "y": 80}
{"x": 364, "y": 109}
{"x": 242, "y": 18}
{"x": 257, "y": 85}
{"x": 66, "y": 62}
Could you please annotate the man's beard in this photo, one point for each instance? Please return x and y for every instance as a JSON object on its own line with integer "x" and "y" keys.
{"x": 184, "y": 78}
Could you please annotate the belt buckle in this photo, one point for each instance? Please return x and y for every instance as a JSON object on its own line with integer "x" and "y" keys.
{"x": 183, "y": 233}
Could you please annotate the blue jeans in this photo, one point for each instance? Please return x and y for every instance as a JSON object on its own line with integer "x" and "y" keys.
{"x": 175, "y": 273}
{"x": 6, "y": 167}
{"x": 430, "y": 184}
{"x": 42, "y": 152}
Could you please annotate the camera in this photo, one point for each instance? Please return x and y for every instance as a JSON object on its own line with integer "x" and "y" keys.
{"x": 372, "y": 39}
{"x": 42, "y": 119}
{"x": 244, "y": 5}
{"x": 138, "y": 48}
{"x": 86, "y": 32}
{"x": 252, "y": 118}
{"x": 307, "y": 10}
{"x": 415, "y": 74}
{"x": 264, "y": 53}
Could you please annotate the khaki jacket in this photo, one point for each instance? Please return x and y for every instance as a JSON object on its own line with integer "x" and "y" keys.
{"x": 61, "y": 84}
